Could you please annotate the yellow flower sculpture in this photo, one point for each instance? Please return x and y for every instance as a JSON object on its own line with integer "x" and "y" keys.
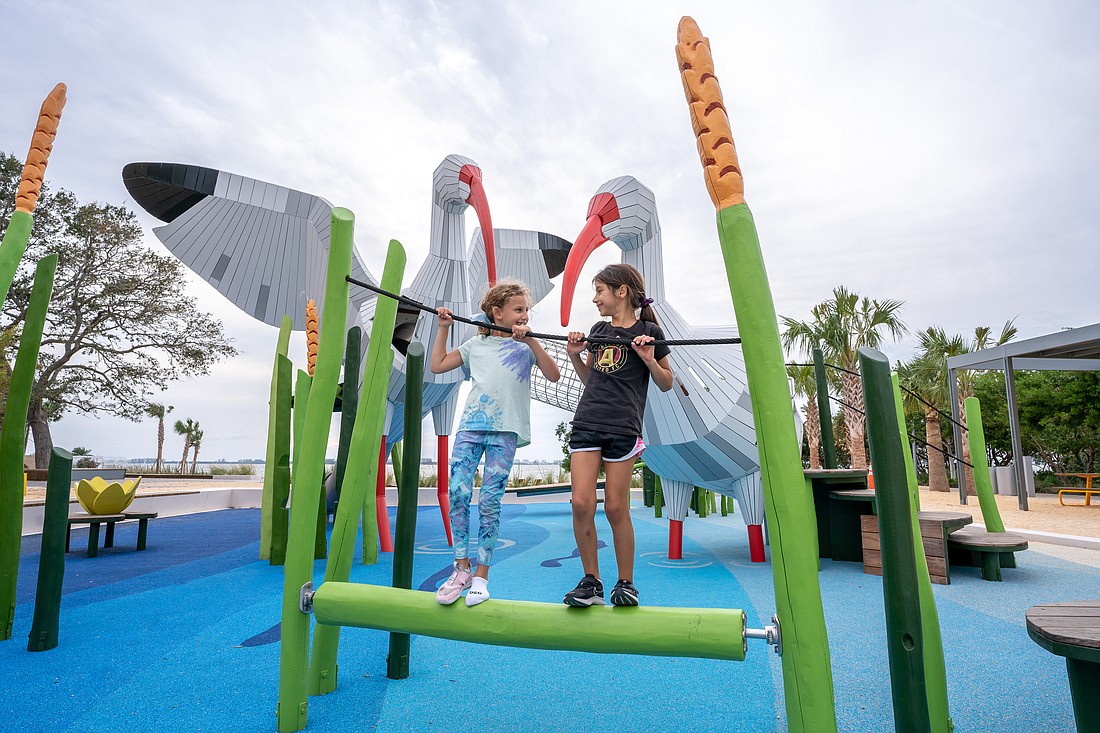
{"x": 99, "y": 497}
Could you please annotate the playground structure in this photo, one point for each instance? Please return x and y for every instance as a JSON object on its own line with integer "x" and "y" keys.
{"x": 919, "y": 697}
{"x": 799, "y": 631}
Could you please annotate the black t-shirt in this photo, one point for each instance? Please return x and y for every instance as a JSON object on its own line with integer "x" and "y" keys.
{"x": 618, "y": 380}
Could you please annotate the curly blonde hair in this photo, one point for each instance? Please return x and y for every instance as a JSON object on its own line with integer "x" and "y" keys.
{"x": 498, "y": 296}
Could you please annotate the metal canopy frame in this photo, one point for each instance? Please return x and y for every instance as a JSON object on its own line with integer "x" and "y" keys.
{"x": 1074, "y": 349}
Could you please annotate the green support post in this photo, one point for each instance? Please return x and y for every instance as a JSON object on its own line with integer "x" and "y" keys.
{"x": 901, "y": 591}
{"x": 396, "y": 462}
{"x": 824, "y": 409}
{"x": 991, "y": 515}
{"x": 280, "y": 465}
{"x": 658, "y": 496}
{"x": 362, "y": 471}
{"x": 51, "y": 558}
{"x": 935, "y": 669}
{"x": 281, "y": 520}
{"x": 12, "y": 248}
{"x": 320, "y": 544}
{"x": 349, "y": 401}
{"x": 267, "y": 498}
{"x": 13, "y": 437}
{"x": 647, "y": 486}
{"x": 397, "y": 663}
{"x": 310, "y": 447}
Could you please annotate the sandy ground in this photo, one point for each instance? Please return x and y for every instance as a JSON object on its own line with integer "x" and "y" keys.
{"x": 1044, "y": 513}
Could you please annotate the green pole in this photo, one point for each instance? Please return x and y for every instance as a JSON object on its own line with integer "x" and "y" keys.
{"x": 281, "y": 518}
{"x": 788, "y": 504}
{"x": 320, "y": 545}
{"x": 280, "y": 464}
{"x": 51, "y": 558}
{"x": 12, "y": 248}
{"x": 658, "y": 497}
{"x": 308, "y": 472}
{"x": 397, "y": 664}
{"x": 12, "y": 438}
{"x": 935, "y": 669}
{"x": 267, "y": 500}
{"x": 904, "y": 638}
{"x": 824, "y": 410}
{"x": 991, "y": 515}
{"x": 396, "y": 461}
{"x": 362, "y": 468}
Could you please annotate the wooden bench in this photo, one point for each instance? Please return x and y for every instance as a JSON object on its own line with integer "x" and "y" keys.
{"x": 1087, "y": 493}
{"x": 935, "y": 527}
{"x": 1072, "y": 630}
{"x": 543, "y": 489}
{"x": 95, "y": 520}
{"x": 990, "y": 551}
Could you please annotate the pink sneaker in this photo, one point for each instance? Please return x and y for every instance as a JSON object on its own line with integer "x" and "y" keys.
{"x": 452, "y": 588}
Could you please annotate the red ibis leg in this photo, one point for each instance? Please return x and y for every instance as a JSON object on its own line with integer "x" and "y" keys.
{"x": 675, "y": 539}
{"x": 385, "y": 539}
{"x": 442, "y": 492}
{"x": 756, "y": 543}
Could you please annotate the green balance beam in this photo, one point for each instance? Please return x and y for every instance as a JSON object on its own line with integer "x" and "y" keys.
{"x": 708, "y": 633}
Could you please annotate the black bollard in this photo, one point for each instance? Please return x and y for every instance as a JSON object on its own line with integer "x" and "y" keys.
{"x": 51, "y": 558}
{"x": 408, "y": 487}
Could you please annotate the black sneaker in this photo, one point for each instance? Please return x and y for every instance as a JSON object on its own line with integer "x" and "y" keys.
{"x": 589, "y": 592}
{"x": 624, "y": 594}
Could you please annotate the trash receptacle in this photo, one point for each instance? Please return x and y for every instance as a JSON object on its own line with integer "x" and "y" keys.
{"x": 1006, "y": 480}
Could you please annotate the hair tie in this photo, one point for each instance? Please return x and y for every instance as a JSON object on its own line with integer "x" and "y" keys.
{"x": 645, "y": 302}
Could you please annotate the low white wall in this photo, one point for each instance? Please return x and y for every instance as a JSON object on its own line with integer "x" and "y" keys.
{"x": 167, "y": 505}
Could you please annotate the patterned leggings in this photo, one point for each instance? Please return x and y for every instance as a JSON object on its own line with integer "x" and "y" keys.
{"x": 500, "y": 451}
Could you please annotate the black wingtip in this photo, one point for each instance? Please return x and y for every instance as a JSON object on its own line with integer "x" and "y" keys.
{"x": 167, "y": 190}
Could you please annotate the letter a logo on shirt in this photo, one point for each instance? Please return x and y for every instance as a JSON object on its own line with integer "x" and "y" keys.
{"x": 610, "y": 358}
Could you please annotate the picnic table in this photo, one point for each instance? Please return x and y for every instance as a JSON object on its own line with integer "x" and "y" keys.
{"x": 1072, "y": 630}
{"x": 1088, "y": 491}
{"x": 840, "y": 498}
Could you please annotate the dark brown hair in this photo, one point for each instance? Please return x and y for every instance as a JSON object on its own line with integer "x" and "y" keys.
{"x": 615, "y": 275}
{"x": 497, "y": 297}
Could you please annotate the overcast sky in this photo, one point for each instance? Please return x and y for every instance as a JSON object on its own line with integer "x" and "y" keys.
{"x": 944, "y": 154}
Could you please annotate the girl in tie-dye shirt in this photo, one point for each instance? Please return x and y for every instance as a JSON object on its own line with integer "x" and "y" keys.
{"x": 496, "y": 421}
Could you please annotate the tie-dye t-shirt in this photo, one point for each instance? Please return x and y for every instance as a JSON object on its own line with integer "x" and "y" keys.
{"x": 500, "y": 393}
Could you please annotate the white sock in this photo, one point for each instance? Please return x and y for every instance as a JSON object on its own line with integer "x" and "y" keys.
{"x": 479, "y": 591}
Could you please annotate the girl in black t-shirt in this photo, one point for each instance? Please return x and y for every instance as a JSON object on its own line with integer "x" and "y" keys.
{"x": 607, "y": 426}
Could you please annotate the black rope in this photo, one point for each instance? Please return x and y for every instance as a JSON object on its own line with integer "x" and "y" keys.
{"x": 950, "y": 419}
{"x": 845, "y": 405}
{"x": 546, "y": 336}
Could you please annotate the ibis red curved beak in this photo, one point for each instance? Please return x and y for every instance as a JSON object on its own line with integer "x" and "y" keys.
{"x": 471, "y": 176}
{"x": 602, "y": 210}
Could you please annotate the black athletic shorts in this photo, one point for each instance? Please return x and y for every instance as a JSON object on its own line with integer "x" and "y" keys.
{"x": 615, "y": 448}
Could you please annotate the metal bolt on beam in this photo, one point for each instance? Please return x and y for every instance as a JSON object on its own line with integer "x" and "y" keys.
{"x": 770, "y": 634}
{"x": 305, "y": 598}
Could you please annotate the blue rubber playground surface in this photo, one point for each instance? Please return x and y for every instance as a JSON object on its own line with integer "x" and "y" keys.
{"x": 185, "y": 637}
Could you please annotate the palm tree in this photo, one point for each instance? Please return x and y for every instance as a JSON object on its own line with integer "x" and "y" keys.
{"x": 840, "y": 327}
{"x": 157, "y": 410}
{"x": 927, "y": 394}
{"x": 805, "y": 385}
{"x": 196, "y": 443}
{"x": 936, "y": 347}
{"x": 186, "y": 429}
